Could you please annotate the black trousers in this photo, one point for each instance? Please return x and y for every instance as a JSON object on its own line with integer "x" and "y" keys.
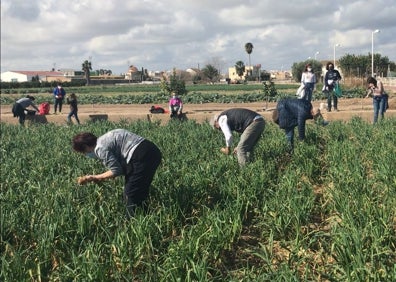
{"x": 19, "y": 112}
{"x": 142, "y": 167}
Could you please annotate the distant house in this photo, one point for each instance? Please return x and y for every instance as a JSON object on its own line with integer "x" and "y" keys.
{"x": 253, "y": 70}
{"x": 25, "y": 76}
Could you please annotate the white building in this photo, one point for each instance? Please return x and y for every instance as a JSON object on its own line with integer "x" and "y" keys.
{"x": 24, "y": 76}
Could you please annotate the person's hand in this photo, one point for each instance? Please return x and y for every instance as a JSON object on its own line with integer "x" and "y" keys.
{"x": 82, "y": 180}
{"x": 86, "y": 179}
{"x": 225, "y": 150}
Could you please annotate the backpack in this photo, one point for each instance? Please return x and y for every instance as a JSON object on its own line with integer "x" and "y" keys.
{"x": 44, "y": 108}
{"x": 157, "y": 110}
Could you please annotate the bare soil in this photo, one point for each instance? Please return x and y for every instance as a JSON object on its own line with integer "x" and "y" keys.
{"x": 348, "y": 108}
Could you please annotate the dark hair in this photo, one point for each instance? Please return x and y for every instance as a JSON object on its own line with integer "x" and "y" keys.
{"x": 30, "y": 97}
{"x": 83, "y": 140}
{"x": 306, "y": 66}
{"x": 328, "y": 64}
{"x": 372, "y": 80}
{"x": 72, "y": 95}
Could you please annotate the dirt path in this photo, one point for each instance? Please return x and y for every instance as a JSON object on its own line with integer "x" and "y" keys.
{"x": 200, "y": 112}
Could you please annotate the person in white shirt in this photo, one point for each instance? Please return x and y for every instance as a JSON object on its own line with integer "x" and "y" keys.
{"x": 308, "y": 79}
{"x": 247, "y": 122}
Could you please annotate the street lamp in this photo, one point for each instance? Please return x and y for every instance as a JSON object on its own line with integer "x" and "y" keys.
{"x": 335, "y": 45}
{"x": 317, "y": 53}
{"x": 372, "y": 51}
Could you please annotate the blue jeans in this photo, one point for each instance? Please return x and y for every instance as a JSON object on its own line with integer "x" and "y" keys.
{"x": 308, "y": 91}
{"x": 290, "y": 135}
{"x": 379, "y": 104}
{"x": 73, "y": 113}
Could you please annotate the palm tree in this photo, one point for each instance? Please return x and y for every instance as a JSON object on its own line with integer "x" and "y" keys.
{"x": 210, "y": 72}
{"x": 239, "y": 68}
{"x": 249, "y": 50}
{"x": 86, "y": 68}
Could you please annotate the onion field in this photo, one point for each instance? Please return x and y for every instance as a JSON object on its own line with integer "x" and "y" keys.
{"x": 325, "y": 213}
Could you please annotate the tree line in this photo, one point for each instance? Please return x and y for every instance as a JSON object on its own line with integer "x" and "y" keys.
{"x": 351, "y": 66}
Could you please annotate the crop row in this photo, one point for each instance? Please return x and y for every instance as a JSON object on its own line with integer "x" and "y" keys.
{"x": 193, "y": 97}
{"x": 327, "y": 212}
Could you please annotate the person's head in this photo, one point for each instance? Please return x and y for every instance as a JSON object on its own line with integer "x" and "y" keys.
{"x": 73, "y": 96}
{"x": 30, "y": 97}
{"x": 84, "y": 142}
{"x": 329, "y": 66}
{"x": 308, "y": 67}
{"x": 214, "y": 122}
{"x": 59, "y": 85}
{"x": 173, "y": 94}
{"x": 372, "y": 82}
{"x": 315, "y": 112}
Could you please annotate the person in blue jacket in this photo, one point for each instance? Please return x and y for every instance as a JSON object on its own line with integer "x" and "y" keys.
{"x": 291, "y": 113}
{"x": 59, "y": 95}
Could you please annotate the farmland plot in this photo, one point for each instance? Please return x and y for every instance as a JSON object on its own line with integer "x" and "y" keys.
{"x": 325, "y": 213}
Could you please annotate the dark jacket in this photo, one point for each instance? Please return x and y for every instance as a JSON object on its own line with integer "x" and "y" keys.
{"x": 73, "y": 104}
{"x": 331, "y": 75}
{"x": 18, "y": 110}
{"x": 239, "y": 119}
{"x": 294, "y": 112}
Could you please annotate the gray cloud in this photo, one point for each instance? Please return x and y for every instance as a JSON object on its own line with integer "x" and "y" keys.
{"x": 160, "y": 35}
{"x": 24, "y": 10}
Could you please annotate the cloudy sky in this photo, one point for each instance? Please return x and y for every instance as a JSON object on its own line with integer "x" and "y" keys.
{"x": 166, "y": 34}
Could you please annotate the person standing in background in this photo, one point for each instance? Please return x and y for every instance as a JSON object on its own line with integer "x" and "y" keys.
{"x": 73, "y": 108}
{"x": 59, "y": 96}
{"x": 308, "y": 79}
{"x": 380, "y": 98}
{"x": 332, "y": 77}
